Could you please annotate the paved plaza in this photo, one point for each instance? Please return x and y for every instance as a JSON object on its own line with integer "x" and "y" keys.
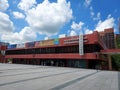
{"x": 32, "y": 77}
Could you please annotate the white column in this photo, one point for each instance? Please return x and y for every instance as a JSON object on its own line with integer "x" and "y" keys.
{"x": 81, "y": 46}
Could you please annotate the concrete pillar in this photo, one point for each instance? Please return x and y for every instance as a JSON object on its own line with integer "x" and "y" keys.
{"x": 87, "y": 64}
{"x": 109, "y": 62}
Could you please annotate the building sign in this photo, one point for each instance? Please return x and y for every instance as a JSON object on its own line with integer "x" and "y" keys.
{"x": 81, "y": 48}
{"x": 30, "y": 44}
{"x": 47, "y": 42}
{"x": 37, "y": 44}
{"x": 56, "y": 41}
{"x": 20, "y": 45}
{"x": 44, "y": 43}
{"x": 13, "y": 46}
{"x": 71, "y": 40}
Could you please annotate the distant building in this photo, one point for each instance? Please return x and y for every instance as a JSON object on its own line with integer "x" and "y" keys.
{"x": 117, "y": 37}
{"x": 108, "y": 38}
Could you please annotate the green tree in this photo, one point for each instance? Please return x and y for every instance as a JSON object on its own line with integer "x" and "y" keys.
{"x": 116, "y": 61}
{"x": 116, "y": 58}
{"x": 118, "y": 42}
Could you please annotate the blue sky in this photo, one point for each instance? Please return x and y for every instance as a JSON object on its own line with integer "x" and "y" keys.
{"x": 33, "y": 20}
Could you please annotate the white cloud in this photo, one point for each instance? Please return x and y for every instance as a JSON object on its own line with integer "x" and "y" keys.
{"x": 108, "y": 23}
{"x": 76, "y": 26}
{"x": 91, "y": 11}
{"x": 76, "y": 29}
{"x": 73, "y": 33}
{"x": 87, "y": 2}
{"x": 109, "y": 16}
{"x": 4, "y": 5}
{"x": 6, "y": 25}
{"x": 87, "y": 31}
{"x": 98, "y": 17}
{"x": 47, "y": 18}
{"x": 46, "y": 38}
{"x": 91, "y": 8}
{"x": 26, "y": 4}
{"x": 10, "y": 37}
{"x": 25, "y": 35}
{"x": 18, "y": 15}
{"x": 15, "y": 1}
{"x": 28, "y": 34}
{"x": 93, "y": 15}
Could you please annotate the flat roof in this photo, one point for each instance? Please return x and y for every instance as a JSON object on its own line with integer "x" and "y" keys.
{"x": 32, "y": 77}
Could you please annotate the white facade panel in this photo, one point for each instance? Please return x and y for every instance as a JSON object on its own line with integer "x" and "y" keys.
{"x": 21, "y": 45}
{"x": 81, "y": 46}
